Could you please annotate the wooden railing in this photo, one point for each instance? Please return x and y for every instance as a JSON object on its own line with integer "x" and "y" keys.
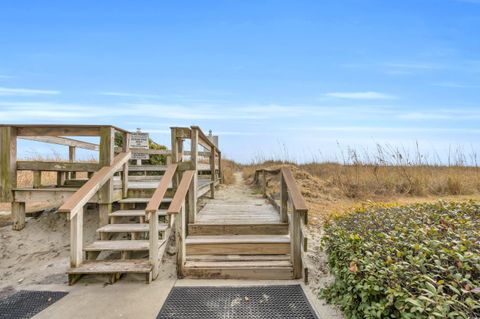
{"x": 74, "y": 205}
{"x": 183, "y": 200}
{"x": 290, "y": 194}
{"x": 151, "y": 212}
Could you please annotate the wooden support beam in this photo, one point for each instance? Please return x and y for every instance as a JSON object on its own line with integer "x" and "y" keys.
{"x": 153, "y": 247}
{"x": 72, "y": 150}
{"x": 104, "y": 211}
{"x": 296, "y": 244}
{"x": 192, "y": 202}
{"x": 61, "y": 177}
{"x": 192, "y": 198}
{"x": 107, "y": 141}
{"x": 283, "y": 199}
{"x": 126, "y": 149}
{"x": 175, "y": 159}
{"x": 8, "y": 165}
{"x": 37, "y": 179}
{"x": 18, "y": 215}
{"x": 220, "y": 168}
{"x": 62, "y": 141}
{"x": 212, "y": 171}
{"x": 180, "y": 237}
{"x": 76, "y": 239}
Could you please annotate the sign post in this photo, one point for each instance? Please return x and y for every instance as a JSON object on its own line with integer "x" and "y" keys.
{"x": 139, "y": 140}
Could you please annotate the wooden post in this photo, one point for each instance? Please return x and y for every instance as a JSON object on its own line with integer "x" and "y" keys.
{"x": 8, "y": 163}
{"x": 175, "y": 179}
{"x": 283, "y": 199}
{"x": 180, "y": 235}
{"x": 126, "y": 148}
{"x": 192, "y": 194}
{"x": 212, "y": 171}
{"x": 153, "y": 237}
{"x": 105, "y": 194}
{"x": 18, "y": 214}
{"x": 72, "y": 150}
{"x": 296, "y": 244}
{"x": 37, "y": 179}
{"x": 76, "y": 239}
{"x": 220, "y": 168}
{"x": 61, "y": 176}
{"x": 192, "y": 202}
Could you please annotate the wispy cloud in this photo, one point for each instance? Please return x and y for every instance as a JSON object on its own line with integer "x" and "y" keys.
{"x": 381, "y": 129}
{"x": 5, "y": 77}
{"x": 133, "y": 95}
{"x": 441, "y": 114}
{"x": 457, "y": 85}
{"x": 174, "y": 112}
{"x": 25, "y": 92}
{"x": 361, "y": 95}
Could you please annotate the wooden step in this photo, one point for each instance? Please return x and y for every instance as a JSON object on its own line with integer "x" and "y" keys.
{"x": 224, "y": 258}
{"x": 238, "y": 264}
{"x": 237, "y": 229}
{"x": 238, "y": 245}
{"x": 139, "y": 200}
{"x": 135, "y": 213}
{"x": 111, "y": 267}
{"x": 129, "y": 228}
{"x": 265, "y": 270}
{"x": 118, "y": 245}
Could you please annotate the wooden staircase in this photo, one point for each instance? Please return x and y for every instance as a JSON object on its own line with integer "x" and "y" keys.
{"x": 241, "y": 255}
{"x": 123, "y": 245}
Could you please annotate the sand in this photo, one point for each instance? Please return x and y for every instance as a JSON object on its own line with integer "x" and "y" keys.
{"x": 39, "y": 254}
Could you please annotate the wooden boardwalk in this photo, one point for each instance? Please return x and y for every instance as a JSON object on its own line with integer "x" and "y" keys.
{"x": 238, "y": 204}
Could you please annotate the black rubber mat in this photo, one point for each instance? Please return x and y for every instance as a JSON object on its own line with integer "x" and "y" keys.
{"x": 26, "y": 303}
{"x": 237, "y": 302}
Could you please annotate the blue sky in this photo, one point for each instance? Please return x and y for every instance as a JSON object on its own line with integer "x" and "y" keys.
{"x": 272, "y": 78}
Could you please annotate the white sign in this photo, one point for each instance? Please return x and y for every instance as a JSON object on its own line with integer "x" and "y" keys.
{"x": 139, "y": 140}
{"x": 140, "y": 156}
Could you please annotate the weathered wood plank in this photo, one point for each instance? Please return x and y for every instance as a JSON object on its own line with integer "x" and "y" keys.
{"x": 18, "y": 215}
{"x": 62, "y": 141}
{"x": 86, "y": 192}
{"x": 8, "y": 157}
{"x": 56, "y": 166}
{"x": 107, "y": 143}
{"x": 159, "y": 194}
{"x": 181, "y": 192}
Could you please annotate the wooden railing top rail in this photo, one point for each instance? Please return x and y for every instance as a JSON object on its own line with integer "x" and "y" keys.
{"x": 159, "y": 193}
{"x": 59, "y": 129}
{"x": 62, "y": 141}
{"x": 91, "y": 187}
{"x": 204, "y": 138}
{"x": 298, "y": 202}
{"x": 182, "y": 189}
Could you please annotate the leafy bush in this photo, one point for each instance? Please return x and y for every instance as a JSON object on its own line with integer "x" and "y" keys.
{"x": 416, "y": 261}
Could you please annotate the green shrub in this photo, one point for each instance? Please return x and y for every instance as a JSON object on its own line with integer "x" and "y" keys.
{"x": 416, "y": 261}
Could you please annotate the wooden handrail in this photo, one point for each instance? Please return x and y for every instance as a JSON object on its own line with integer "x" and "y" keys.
{"x": 159, "y": 193}
{"x": 91, "y": 187}
{"x": 203, "y": 138}
{"x": 182, "y": 189}
{"x": 296, "y": 197}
